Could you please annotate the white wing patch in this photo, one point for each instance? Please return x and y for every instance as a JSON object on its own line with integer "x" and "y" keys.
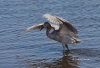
{"x": 54, "y": 19}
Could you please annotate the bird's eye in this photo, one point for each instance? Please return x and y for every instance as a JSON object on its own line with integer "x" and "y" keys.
{"x": 45, "y": 24}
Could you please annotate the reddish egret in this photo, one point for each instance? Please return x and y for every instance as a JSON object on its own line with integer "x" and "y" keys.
{"x": 65, "y": 33}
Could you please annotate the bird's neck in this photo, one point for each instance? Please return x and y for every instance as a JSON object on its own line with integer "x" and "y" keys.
{"x": 48, "y": 32}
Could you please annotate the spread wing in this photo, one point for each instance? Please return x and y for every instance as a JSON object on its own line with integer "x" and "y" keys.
{"x": 63, "y": 23}
{"x": 40, "y": 26}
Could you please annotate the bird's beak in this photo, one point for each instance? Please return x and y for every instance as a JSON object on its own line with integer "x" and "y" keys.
{"x": 41, "y": 28}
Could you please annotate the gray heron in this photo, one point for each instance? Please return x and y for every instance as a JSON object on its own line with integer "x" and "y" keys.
{"x": 65, "y": 33}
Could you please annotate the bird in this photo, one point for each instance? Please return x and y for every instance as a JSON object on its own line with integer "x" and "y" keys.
{"x": 65, "y": 33}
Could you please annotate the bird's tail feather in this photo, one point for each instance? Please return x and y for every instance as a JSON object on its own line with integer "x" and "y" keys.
{"x": 77, "y": 40}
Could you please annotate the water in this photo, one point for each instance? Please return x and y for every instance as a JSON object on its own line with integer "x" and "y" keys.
{"x": 33, "y": 49}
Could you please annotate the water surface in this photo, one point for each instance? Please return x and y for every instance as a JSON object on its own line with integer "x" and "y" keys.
{"x": 33, "y": 49}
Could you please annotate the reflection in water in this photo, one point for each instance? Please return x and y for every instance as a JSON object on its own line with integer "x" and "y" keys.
{"x": 67, "y": 61}
{"x": 64, "y": 62}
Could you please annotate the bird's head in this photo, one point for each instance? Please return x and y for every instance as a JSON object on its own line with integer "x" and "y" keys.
{"x": 45, "y": 25}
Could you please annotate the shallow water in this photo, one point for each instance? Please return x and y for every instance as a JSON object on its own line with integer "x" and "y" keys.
{"x": 33, "y": 49}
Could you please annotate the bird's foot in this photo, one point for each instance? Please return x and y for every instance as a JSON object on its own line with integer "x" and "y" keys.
{"x": 66, "y": 52}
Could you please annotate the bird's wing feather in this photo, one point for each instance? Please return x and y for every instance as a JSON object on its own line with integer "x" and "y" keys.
{"x": 54, "y": 19}
{"x": 39, "y": 26}
{"x": 61, "y": 21}
{"x": 55, "y": 27}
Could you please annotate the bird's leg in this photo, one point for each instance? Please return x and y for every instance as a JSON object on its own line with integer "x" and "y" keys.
{"x": 64, "y": 53}
{"x": 63, "y": 47}
{"x": 67, "y": 47}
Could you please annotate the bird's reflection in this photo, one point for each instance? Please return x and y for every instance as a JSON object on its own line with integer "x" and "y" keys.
{"x": 65, "y": 62}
